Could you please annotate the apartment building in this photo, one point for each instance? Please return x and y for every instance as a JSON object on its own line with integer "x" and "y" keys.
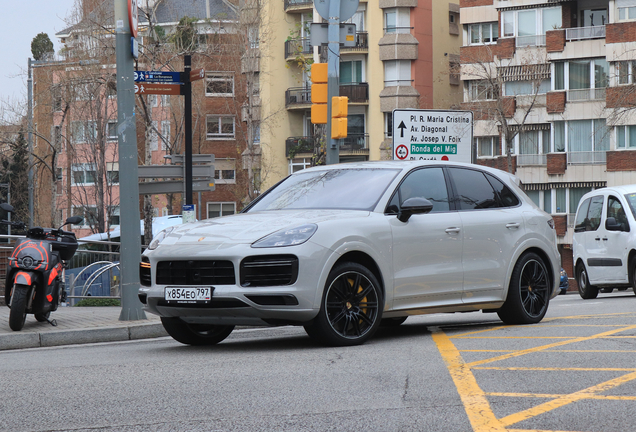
{"x": 563, "y": 71}
{"x": 405, "y": 56}
{"x": 75, "y": 112}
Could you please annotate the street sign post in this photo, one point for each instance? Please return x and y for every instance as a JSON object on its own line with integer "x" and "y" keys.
{"x": 432, "y": 135}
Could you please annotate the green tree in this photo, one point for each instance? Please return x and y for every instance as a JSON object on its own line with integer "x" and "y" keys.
{"x": 41, "y": 47}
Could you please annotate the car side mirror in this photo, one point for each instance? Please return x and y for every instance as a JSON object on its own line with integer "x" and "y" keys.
{"x": 612, "y": 225}
{"x": 415, "y": 205}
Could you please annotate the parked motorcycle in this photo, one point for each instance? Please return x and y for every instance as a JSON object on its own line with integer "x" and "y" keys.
{"x": 35, "y": 272}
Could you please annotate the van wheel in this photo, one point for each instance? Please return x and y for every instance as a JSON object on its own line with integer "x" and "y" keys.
{"x": 632, "y": 273}
{"x": 528, "y": 293}
{"x": 586, "y": 291}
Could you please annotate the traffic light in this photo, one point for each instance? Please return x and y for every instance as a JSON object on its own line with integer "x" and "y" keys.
{"x": 339, "y": 111}
{"x": 319, "y": 93}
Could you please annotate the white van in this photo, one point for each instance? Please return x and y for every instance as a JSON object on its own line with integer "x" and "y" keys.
{"x": 604, "y": 244}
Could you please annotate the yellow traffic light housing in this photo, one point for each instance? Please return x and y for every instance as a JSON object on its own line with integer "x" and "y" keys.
{"x": 319, "y": 93}
{"x": 339, "y": 111}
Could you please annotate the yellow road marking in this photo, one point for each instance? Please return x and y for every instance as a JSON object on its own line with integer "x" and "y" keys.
{"x": 519, "y": 368}
{"x": 554, "y": 396}
{"x": 553, "y": 345}
{"x": 475, "y": 402}
{"x": 514, "y": 337}
{"x": 554, "y": 351}
{"x": 566, "y": 399}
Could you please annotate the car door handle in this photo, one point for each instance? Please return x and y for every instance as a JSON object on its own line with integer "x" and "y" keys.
{"x": 597, "y": 239}
{"x": 513, "y": 225}
{"x": 452, "y": 230}
{"x": 605, "y": 239}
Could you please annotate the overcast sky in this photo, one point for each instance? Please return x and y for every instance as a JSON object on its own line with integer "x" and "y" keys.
{"x": 22, "y": 20}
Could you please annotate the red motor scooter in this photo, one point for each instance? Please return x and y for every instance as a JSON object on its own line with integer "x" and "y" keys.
{"x": 35, "y": 272}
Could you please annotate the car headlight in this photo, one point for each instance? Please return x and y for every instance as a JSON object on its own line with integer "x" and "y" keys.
{"x": 156, "y": 241}
{"x": 287, "y": 237}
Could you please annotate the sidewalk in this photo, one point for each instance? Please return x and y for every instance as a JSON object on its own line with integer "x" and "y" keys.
{"x": 77, "y": 325}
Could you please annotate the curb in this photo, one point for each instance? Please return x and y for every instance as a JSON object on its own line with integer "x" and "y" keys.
{"x": 82, "y": 336}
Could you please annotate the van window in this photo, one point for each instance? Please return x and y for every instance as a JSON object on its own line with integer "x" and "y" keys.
{"x": 594, "y": 213}
{"x": 631, "y": 200}
{"x": 615, "y": 210}
{"x": 581, "y": 216}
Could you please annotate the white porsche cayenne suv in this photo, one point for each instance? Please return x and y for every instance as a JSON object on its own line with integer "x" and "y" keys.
{"x": 343, "y": 249}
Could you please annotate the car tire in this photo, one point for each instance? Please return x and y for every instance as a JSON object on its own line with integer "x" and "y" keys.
{"x": 586, "y": 291}
{"x": 43, "y": 317}
{"x": 392, "y": 322}
{"x": 528, "y": 293}
{"x": 351, "y": 307}
{"x": 195, "y": 334}
{"x": 17, "y": 315}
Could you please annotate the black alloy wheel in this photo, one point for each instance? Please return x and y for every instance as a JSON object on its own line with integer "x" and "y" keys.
{"x": 528, "y": 293}
{"x": 351, "y": 309}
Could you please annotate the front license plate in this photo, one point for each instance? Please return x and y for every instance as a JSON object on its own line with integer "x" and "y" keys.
{"x": 188, "y": 294}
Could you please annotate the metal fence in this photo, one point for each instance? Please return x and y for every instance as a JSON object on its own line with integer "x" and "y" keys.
{"x": 531, "y": 159}
{"x": 587, "y": 157}
{"x": 533, "y": 40}
{"x": 586, "y": 94}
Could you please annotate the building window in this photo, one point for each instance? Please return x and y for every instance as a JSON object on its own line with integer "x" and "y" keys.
{"x": 488, "y": 146}
{"x": 111, "y": 130}
{"x": 153, "y": 136}
{"x": 530, "y": 22}
{"x": 626, "y": 10}
{"x": 84, "y": 131}
{"x": 218, "y": 209}
{"x": 112, "y": 172}
{"x": 517, "y": 88}
{"x": 625, "y": 136}
{"x": 484, "y": 33}
{"x": 388, "y": 125}
{"x": 225, "y": 171}
{"x": 397, "y": 73}
{"x": 83, "y": 174}
{"x": 87, "y": 213}
{"x": 481, "y": 90}
{"x": 582, "y": 79}
{"x": 152, "y": 101}
{"x": 165, "y": 134}
{"x": 581, "y": 136}
{"x": 220, "y": 127}
{"x": 397, "y": 20}
{"x": 113, "y": 215}
{"x": 534, "y": 142}
{"x": 219, "y": 84}
{"x": 351, "y": 72}
{"x": 299, "y": 164}
{"x": 165, "y": 100}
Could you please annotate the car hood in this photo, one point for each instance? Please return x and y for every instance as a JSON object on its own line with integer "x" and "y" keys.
{"x": 249, "y": 227}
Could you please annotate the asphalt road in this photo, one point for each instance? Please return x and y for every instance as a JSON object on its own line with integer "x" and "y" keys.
{"x": 575, "y": 371}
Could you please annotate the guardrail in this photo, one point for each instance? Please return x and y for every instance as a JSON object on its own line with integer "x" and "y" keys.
{"x": 532, "y": 159}
{"x": 587, "y": 157}
{"x": 586, "y": 94}
{"x": 532, "y": 40}
{"x": 582, "y": 33}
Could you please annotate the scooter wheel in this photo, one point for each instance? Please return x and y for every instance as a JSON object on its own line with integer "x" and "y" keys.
{"x": 17, "y": 316}
{"x": 43, "y": 317}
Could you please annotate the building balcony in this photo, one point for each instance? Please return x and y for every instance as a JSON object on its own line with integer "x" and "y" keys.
{"x": 298, "y": 145}
{"x": 533, "y": 40}
{"x": 297, "y": 47}
{"x": 532, "y": 160}
{"x": 298, "y": 98}
{"x": 362, "y": 44}
{"x": 356, "y": 92}
{"x": 355, "y": 143}
{"x": 584, "y": 33}
{"x": 586, "y": 94}
{"x": 292, "y": 6}
{"x": 587, "y": 158}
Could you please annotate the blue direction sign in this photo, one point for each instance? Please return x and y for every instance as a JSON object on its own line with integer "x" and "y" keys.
{"x": 158, "y": 76}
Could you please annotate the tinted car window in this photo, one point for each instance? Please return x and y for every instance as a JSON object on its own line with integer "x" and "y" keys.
{"x": 473, "y": 189}
{"x": 348, "y": 189}
{"x": 426, "y": 183}
{"x": 506, "y": 197}
{"x": 594, "y": 213}
{"x": 615, "y": 210}
{"x": 581, "y": 216}
{"x": 631, "y": 200}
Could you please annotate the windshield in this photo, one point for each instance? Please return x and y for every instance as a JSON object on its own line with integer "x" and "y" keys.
{"x": 346, "y": 189}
